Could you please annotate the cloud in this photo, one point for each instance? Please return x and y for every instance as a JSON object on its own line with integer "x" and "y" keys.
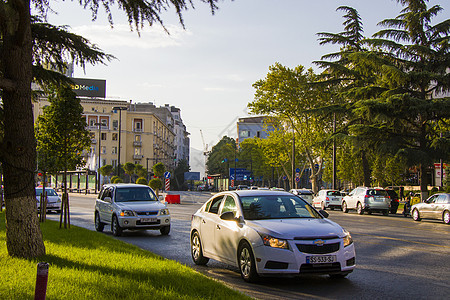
{"x": 122, "y": 36}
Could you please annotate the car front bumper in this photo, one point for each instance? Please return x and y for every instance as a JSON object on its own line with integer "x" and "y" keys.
{"x": 275, "y": 261}
{"x": 144, "y": 223}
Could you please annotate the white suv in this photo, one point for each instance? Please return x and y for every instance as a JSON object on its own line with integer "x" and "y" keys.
{"x": 364, "y": 199}
{"x": 130, "y": 206}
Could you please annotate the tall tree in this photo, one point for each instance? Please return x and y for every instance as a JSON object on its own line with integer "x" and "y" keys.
{"x": 18, "y": 147}
{"x": 62, "y": 135}
{"x": 222, "y": 156}
{"x": 410, "y": 112}
{"x": 129, "y": 169}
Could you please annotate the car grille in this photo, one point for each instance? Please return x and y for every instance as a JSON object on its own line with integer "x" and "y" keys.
{"x": 320, "y": 268}
{"x": 146, "y": 213}
{"x": 315, "y": 249}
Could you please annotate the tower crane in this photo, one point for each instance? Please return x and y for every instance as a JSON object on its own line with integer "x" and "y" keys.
{"x": 205, "y": 152}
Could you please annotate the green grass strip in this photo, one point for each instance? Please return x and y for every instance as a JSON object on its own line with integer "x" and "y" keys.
{"x": 85, "y": 264}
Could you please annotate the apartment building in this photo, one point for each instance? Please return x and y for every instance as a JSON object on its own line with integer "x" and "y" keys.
{"x": 143, "y": 137}
{"x": 253, "y": 127}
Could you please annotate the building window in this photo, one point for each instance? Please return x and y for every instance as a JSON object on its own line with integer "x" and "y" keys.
{"x": 258, "y": 134}
{"x": 103, "y": 136}
{"x": 138, "y": 125}
{"x": 114, "y": 136}
{"x": 103, "y": 162}
{"x": 114, "y": 150}
{"x": 137, "y": 162}
{"x": 115, "y": 124}
{"x": 137, "y": 151}
{"x": 137, "y": 138}
{"x": 245, "y": 133}
{"x": 114, "y": 163}
{"x": 103, "y": 150}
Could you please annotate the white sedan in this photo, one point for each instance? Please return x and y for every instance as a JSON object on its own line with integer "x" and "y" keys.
{"x": 266, "y": 233}
{"x": 328, "y": 199}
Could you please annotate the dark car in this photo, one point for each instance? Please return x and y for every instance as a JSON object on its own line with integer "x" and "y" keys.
{"x": 394, "y": 200}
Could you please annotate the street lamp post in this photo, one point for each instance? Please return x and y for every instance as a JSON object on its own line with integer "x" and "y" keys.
{"x": 99, "y": 124}
{"x": 119, "y": 108}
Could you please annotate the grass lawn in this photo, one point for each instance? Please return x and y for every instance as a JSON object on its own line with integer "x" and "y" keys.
{"x": 88, "y": 265}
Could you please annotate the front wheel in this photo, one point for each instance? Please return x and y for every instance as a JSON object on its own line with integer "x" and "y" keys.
{"x": 247, "y": 266}
{"x": 99, "y": 226}
{"x": 416, "y": 215}
{"x": 115, "y": 227}
{"x": 446, "y": 217}
{"x": 165, "y": 230}
{"x": 344, "y": 207}
{"x": 197, "y": 250}
{"x": 359, "y": 209}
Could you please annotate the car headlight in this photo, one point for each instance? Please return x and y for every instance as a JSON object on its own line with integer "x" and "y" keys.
{"x": 274, "y": 242}
{"x": 164, "y": 211}
{"x": 347, "y": 238}
{"x": 126, "y": 213}
{"x": 59, "y": 200}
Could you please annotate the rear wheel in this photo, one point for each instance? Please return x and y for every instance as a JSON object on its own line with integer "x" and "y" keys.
{"x": 246, "y": 262}
{"x": 344, "y": 207}
{"x": 197, "y": 250}
{"x": 115, "y": 227}
{"x": 99, "y": 226}
{"x": 359, "y": 209}
{"x": 446, "y": 217}
{"x": 416, "y": 215}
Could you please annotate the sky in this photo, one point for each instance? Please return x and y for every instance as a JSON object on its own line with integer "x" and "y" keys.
{"x": 208, "y": 68}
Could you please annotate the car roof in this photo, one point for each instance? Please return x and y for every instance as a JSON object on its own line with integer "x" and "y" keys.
{"x": 125, "y": 185}
{"x": 250, "y": 193}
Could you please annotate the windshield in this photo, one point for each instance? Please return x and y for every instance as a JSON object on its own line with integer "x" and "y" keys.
{"x": 134, "y": 194}
{"x": 333, "y": 193}
{"x": 50, "y": 192}
{"x": 276, "y": 207}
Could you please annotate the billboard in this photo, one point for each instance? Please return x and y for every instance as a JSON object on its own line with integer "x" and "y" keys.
{"x": 84, "y": 87}
{"x": 191, "y": 175}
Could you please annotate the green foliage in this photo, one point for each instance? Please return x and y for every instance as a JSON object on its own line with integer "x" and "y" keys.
{"x": 178, "y": 182}
{"x": 129, "y": 169}
{"x": 117, "y": 180}
{"x": 141, "y": 180}
{"x": 113, "y": 178}
{"x": 140, "y": 171}
{"x": 159, "y": 169}
{"x": 222, "y": 156}
{"x": 106, "y": 170}
{"x": 155, "y": 184}
{"x": 61, "y": 131}
{"x": 447, "y": 180}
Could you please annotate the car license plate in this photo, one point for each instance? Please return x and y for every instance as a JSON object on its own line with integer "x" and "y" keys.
{"x": 148, "y": 220}
{"x": 322, "y": 259}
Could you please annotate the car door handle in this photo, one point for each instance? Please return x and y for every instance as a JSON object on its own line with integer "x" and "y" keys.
{"x": 203, "y": 221}
{"x": 218, "y": 227}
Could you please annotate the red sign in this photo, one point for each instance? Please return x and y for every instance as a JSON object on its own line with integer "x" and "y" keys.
{"x": 232, "y": 183}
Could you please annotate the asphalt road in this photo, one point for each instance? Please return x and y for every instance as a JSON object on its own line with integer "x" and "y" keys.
{"x": 396, "y": 257}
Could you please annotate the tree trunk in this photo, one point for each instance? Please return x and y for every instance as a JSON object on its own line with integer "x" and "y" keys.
{"x": 423, "y": 182}
{"x": 23, "y": 234}
{"x": 366, "y": 169}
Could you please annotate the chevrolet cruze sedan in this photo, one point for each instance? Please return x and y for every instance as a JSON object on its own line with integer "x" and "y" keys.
{"x": 435, "y": 207}
{"x": 267, "y": 233}
{"x": 130, "y": 206}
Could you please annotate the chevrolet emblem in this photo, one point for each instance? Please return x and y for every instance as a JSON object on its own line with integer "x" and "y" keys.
{"x": 319, "y": 242}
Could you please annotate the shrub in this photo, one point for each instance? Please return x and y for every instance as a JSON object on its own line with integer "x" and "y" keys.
{"x": 117, "y": 180}
{"x": 155, "y": 184}
{"x": 141, "y": 180}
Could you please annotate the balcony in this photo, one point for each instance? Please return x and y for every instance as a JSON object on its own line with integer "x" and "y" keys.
{"x": 93, "y": 141}
{"x": 137, "y": 129}
{"x": 137, "y": 143}
{"x": 138, "y": 156}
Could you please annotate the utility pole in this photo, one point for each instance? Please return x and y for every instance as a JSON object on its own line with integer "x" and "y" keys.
{"x": 119, "y": 108}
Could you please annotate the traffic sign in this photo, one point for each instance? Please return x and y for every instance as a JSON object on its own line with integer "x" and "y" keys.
{"x": 284, "y": 177}
{"x": 297, "y": 170}
{"x": 167, "y": 175}
{"x": 297, "y": 179}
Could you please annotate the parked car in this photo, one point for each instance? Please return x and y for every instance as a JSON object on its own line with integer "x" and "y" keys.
{"x": 435, "y": 207}
{"x": 243, "y": 187}
{"x": 266, "y": 233}
{"x": 53, "y": 199}
{"x": 130, "y": 206}
{"x": 395, "y": 201}
{"x": 305, "y": 194}
{"x": 328, "y": 199}
{"x": 364, "y": 199}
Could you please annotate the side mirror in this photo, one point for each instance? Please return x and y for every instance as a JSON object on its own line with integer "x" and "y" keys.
{"x": 323, "y": 213}
{"x": 161, "y": 198}
{"x": 228, "y": 216}
{"x": 107, "y": 199}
